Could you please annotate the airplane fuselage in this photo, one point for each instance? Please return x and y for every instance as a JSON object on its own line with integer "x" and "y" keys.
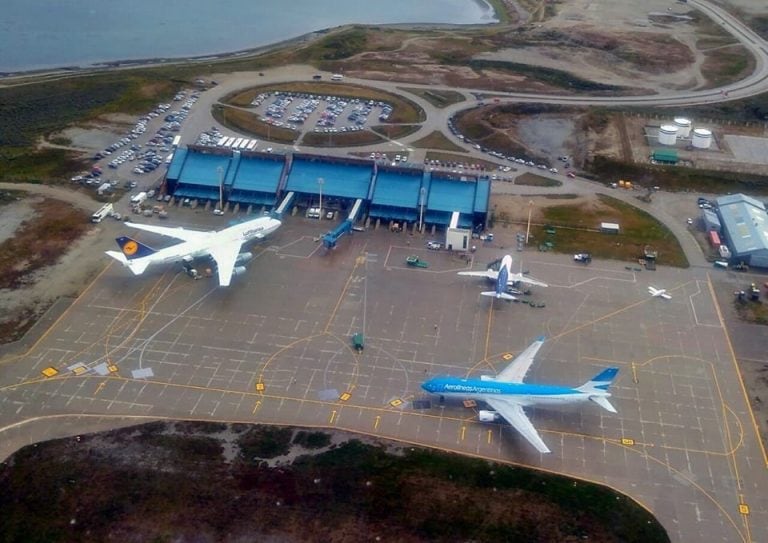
{"x": 523, "y": 393}
{"x": 241, "y": 233}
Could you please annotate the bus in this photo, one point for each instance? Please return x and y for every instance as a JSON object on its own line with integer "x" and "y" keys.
{"x": 107, "y": 210}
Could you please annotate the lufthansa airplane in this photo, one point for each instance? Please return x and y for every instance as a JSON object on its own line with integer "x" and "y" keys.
{"x": 223, "y": 246}
{"x": 507, "y": 395}
{"x": 503, "y": 278}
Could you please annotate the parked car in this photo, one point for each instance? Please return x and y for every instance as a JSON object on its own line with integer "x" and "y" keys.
{"x": 434, "y": 245}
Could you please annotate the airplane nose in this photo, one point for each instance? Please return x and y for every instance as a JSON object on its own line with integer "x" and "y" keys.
{"x": 427, "y": 385}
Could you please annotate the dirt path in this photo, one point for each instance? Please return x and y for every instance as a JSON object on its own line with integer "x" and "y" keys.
{"x": 78, "y": 199}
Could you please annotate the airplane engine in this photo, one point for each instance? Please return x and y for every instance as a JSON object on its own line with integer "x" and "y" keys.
{"x": 487, "y": 416}
{"x": 239, "y": 270}
{"x": 242, "y": 258}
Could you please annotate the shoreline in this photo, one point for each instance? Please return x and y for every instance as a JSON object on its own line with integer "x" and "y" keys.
{"x": 493, "y": 7}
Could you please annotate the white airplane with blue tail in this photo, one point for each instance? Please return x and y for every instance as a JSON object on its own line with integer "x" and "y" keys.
{"x": 503, "y": 279}
{"x": 507, "y": 395}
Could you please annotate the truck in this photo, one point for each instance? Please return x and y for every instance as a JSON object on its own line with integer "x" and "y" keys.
{"x": 104, "y": 187}
{"x": 415, "y": 262}
{"x": 107, "y": 210}
{"x": 138, "y": 199}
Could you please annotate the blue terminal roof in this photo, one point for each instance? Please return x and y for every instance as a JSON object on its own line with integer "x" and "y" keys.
{"x": 745, "y": 221}
{"x": 482, "y": 195}
{"x": 397, "y": 189}
{"x": 202, "y": 169}
{"x": 451, "y": 195}
{"x": 258, "y": 175}
{"x": 339, "y": 180}
{"x": 174, "y": 169}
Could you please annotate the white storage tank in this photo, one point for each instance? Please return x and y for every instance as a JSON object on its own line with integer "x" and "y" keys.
{"x": 667, "y": 134}
{"x": 683, "y": 127}
{"x": 702, "y": 138}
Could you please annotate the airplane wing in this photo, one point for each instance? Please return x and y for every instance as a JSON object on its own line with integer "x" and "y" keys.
{"x": 488, "y": 274}
{"x": 178, "y": 232}
{"x": 225, "y": 256}
{"x": 515, "y": 277}
{"x": 513, "y": 413}
{"x": 665, "y": 296}
{"x": 515, "y": 372}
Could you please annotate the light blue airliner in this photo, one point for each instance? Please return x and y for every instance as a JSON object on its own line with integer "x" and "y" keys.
{"x": 507, "y": 395}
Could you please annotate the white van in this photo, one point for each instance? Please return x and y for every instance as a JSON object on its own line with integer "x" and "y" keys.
{"x": 337, "y": 77}
{"x": 139, "y": 198}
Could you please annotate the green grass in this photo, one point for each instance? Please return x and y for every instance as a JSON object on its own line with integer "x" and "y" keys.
{"x": 264, "y": 442}
{"x": 536, "y": 180}
{"x": 395, "y": 132}
{"x": 676, "y": 178}
{"x": 347, "y": 492}
{"x": 438, "y": 98}
{"x": 336, "y": 46}
{"x": 556, "y": 78}
{"x": 725, "y": 65}
{"x": 450, "y": 512}
{"x": 312, "y": 440}
{"x": 577, "y": 231}
{"x": 37, "y": 166}
{"x": 437, "y": 140}
{"x": 184, "y": 448}
{"x": 751, "y": 311}
{"x": 29, "y": 111}
{"x": 341, "y": 139}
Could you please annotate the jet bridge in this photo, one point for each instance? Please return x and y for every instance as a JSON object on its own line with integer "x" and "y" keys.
{"x": 285, "y": 203}
{"x": 331, "y": 238}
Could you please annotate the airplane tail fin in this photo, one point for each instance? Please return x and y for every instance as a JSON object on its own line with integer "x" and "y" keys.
{"x": 597, "y": 388}
{"x": 136, "y": 266}
{"x": 133, "y": 249}
{"x": 502, "y": 295}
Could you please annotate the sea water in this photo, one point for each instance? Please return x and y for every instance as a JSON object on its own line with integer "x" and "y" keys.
{"x": 41, "y": 34}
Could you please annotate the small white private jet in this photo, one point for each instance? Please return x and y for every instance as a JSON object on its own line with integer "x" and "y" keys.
{"x": 659, "y": 293}
{"x": 222, "y": 246}
{"x": 507, "y": 395}
{"x": 503, "y": 278}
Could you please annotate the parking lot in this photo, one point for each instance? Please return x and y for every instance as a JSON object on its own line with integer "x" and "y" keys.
{"x": 277, "y": 347}
{"x": 319, "y": 113}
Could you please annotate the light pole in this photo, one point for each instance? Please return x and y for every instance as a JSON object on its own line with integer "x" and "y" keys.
{"x": 528, "y": 230}
{"x": 320, "y": 182}
{"x": 220, "y": 171}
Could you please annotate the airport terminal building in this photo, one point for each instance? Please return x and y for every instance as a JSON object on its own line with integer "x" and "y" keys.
{"x": 384, "y": 193}
{"x": 745, "y": 228}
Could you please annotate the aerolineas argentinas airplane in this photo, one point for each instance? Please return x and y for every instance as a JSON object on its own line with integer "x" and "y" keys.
{"x": 223, "y": 246}
{"x": 659, "y": 292}
{"x": 503, "y": 278}
{"x": 507, "y": 395}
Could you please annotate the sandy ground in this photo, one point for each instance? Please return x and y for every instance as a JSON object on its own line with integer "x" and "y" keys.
{"x": 73, "y": 271}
